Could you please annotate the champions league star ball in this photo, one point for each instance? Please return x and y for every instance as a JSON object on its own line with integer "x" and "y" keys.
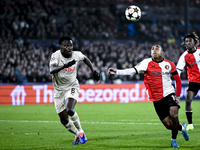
{"x": 133, "y": 13}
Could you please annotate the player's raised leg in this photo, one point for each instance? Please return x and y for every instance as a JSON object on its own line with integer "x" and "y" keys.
{"x": 76, "y": 121}
{"x": 171, "y": 122}
{"x": 168, "y": 123}
{"x": 175, "y": 125}
{"x": 71, "y": 102}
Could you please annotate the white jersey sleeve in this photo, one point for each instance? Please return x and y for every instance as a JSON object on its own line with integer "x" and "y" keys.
{"x": 79, "y": 56}
{"x": 142, "y": 66}
{"x": 139, "y": 68}
{"x": 126, "y": 71}
{"x": 54, "y": 59}
{"x": 181, "y": 63}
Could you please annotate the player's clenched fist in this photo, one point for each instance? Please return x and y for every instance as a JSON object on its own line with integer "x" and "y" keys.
{"x": 96, "y": 76}
{"x": 112, "y": 71}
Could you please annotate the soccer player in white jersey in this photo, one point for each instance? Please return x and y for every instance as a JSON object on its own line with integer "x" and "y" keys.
{"x": 160, "y": 90}
{"x": 63, "y": 66}
{"x": 191, "y": 59}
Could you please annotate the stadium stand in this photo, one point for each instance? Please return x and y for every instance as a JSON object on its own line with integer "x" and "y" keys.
{"x": 29, "y": 31}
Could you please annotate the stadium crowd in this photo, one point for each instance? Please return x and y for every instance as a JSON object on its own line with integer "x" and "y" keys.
{"x": 98, "y": 28}
{"x": 29, "y": 63}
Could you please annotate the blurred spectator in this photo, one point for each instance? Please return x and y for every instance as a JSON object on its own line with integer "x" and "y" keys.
{"x": 19, "y": 41}
{"x": 20, "y": 74}
{"x": 53, "y": 46}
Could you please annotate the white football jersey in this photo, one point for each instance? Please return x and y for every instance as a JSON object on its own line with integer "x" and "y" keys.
{"x": 66, "y": 78}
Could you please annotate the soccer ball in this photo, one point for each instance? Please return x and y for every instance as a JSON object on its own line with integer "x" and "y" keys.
{"x": 133, "y": 13}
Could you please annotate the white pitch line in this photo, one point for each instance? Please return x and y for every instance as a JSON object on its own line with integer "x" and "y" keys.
{"x": 28, "y": 121}
{"x": 30, "y": 133}
{"x": 27, "y": 133}
{"x": 119, "y": 123}
{"x": 87, "y": 122}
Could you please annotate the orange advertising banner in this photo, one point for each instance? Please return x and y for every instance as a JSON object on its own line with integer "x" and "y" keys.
{"x": 97, "y": 93}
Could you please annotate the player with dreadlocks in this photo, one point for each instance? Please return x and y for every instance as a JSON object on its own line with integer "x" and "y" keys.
{"x": 191, "y": 59}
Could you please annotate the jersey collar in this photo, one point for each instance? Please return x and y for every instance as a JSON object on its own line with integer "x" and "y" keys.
{"x": 157, "y": 61}
{"x": 192, "y": 52}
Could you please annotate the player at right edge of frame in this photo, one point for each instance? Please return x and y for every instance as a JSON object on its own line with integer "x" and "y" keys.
{"x": 191, "y": 59}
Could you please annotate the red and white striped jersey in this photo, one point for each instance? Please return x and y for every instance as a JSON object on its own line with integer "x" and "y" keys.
{"x": 157, "y": 77}
{"x": 192, "y": 63}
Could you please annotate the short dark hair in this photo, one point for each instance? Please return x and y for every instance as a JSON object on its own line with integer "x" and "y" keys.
{"x": 191, "y": 35}
{"x": 64, "y": 38}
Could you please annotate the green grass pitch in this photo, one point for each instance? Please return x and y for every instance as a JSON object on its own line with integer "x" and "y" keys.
{"x": 107, "y": 126}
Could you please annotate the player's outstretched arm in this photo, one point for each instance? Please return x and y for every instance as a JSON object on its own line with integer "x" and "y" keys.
{"x": 122, "y": 72}
{"x": 112, "y": 71}
{"x": 96, "y": 75}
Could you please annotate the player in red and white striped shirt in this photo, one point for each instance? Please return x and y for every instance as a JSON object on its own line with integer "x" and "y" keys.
{"x": 191, "y": 59}
{"x": 157, "y": 79}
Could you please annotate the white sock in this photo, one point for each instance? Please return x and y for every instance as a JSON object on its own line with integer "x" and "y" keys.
{"x": 182, "y": 128}
{"x": 173, "y": 139}
{"x": 76, "y": 122}
{"x": 70, "y": 127}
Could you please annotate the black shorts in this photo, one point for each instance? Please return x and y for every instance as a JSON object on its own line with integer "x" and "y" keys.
{"x": 194, "y": 87}
{"x": 162, "y": 106}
